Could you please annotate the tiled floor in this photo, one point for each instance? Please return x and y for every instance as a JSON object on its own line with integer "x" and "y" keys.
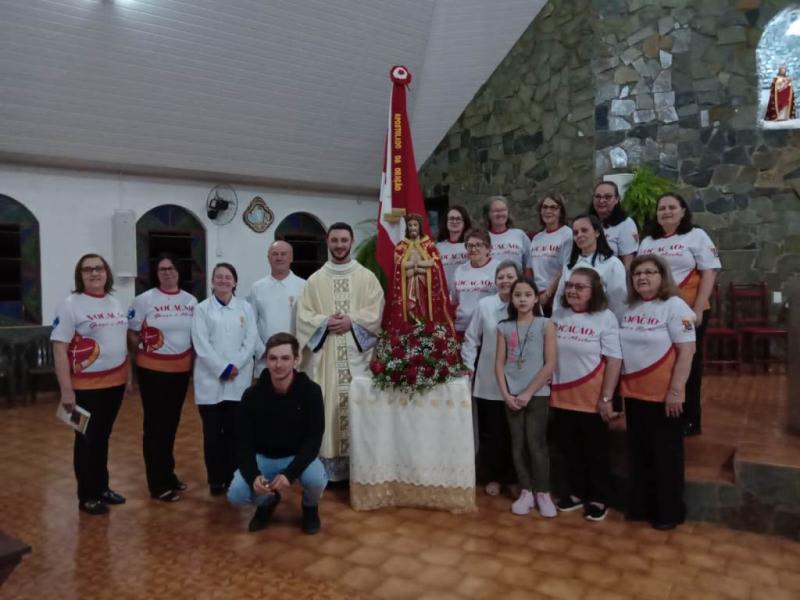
{"x": 197, "y": 548}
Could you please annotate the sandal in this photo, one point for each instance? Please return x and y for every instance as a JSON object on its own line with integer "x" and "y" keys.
{"x": 492, "y": 488}
{"x": 168, "y": 496}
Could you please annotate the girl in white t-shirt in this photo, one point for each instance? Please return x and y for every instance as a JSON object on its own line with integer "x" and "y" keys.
{"x": 91, "y": 364}
{"x": 160, "y": 331}
{"x": 508, "y": 243}
{"x": 550, "y": 249}
{"x": 657, "y": 338}
{"x": 450, "y": 242}
{"x": 590, "y": 249}
{"x": 474, "y": 279}
{"x": 620, "y": 230}
{"x": 589, "y": 362}
{"x": 694, "y": 263}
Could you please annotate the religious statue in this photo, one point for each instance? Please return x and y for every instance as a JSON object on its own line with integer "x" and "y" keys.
{"x": 419, "y": 291}
{"x": 780, "y": 106}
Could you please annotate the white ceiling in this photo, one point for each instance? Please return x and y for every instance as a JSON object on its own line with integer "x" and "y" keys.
{"x": 292, "y": 92}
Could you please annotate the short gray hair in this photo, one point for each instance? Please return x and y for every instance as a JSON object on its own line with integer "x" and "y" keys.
{"x": 508, "y": 264}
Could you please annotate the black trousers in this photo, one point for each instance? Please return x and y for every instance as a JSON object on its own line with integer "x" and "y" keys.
{"x": 582, "y": 438}
{"x": 90, "y": 453}
{"x": 692, "y": 412}
{"x": 495, "y": 441}
{"x": 655, "y": 463}
{"x": 219, "y": 440}
{"x": 162, "y": 400}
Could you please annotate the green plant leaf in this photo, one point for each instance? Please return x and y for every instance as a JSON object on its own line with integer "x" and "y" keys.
{"x": 642, "y": 194}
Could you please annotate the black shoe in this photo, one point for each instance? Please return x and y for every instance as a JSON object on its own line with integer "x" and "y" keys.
{"x": 112, "y": 497}
{"x": 263, "y": 515}
{"x": 592, "y": 512}
{"x": 569, "y": 504}
{"x": 666, "y": 526}
{"x": 168, "y": 496}
{"x": 217, "y": 489}
{"x": 179, "y": 486}
{"x": 93, "y": 507}
{"x": 691, "y": 429}
{"x": 311, "y": 523}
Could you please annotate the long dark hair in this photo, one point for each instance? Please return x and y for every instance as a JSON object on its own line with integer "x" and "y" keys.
{"x": 562, "y": 209}
{"x": 512, "y": 310}
{"x": 654, "y": 228}
{"x": 444, "y": 234}
{"x": 79, "y": 287}
{"x": 603, "y": 249}
{"x": 617, "y": 215}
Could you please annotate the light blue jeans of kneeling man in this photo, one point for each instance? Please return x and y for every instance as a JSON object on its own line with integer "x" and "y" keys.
{"x": 313, "y": 481}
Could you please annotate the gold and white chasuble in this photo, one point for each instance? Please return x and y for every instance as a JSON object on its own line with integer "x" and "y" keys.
{"x": 355, "y": 291}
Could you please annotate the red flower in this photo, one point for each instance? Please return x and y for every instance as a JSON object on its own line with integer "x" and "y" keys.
{"x": 398, "y": 352}
{"x": 413, "y": 341}
{"x": 440, "y": 343}
{"x": 396, "y": 377}
{"x": 430, "y": 328}
{"x": 451, "y": 358}
{"x": 376, "y": 367}
{"x": 405, "y": 328}
{"x": 417, "y": 360}
{"x": 429, "y": 371}
{"x": 436, "y": 354}
{"x": 394, "y": 341}
{"x": 444, "y": 373}
{"x": 411, "y": 375}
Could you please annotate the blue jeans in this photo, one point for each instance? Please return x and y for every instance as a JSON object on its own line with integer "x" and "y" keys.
{"x": 313, "y": 480}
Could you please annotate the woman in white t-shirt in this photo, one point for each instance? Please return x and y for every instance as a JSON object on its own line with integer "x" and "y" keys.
{"x": 91, "y": 364}
{"x": 589, "y": 362}
{"x": 550, "y": 249}
{"x": 160, "y": 333}
{"x": 657, "y": 337}
{"x": 450, "y": 242}
{"x": 474, "y": 279}
{"x": 620, "y": 230}
{"x": 224, "y": 336}
{"x": 508, "y": 243}
{"x": 590, "y": 249}
{"x": 694, "y": 263}
{"x": 480, "y": 340}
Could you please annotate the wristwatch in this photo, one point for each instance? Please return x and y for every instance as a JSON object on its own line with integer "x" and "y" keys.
{"x": 606, "y": 399}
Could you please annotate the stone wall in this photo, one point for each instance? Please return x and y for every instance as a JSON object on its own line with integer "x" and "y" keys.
{"x": 530, "y": 128}
{"x": 677, "y": 89}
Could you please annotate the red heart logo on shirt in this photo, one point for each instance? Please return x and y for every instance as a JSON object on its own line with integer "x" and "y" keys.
{"x": 82, "y": 352}
{"x": 151, "y": 338}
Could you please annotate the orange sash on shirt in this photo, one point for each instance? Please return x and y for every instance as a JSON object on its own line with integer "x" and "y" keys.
{"x": 101, "y": 379}
{"x": 689, "y": 288}
{"x": 582, "y": 394}
{"x": 650, "y": 383}
{"x": 165, "y": 363}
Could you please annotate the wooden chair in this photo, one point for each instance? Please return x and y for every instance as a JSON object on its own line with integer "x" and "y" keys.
{"x": 722, "y": 346}
{"x": 37, "y": 363}
{"x": 8, "y": 371}
{"x": 750, "y": 316}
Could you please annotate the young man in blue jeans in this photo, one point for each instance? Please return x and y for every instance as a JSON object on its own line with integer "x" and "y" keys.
{"x": 279, "y": 429}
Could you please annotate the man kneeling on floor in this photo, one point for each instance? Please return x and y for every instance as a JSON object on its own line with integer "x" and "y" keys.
{"x": 279, "y": 429}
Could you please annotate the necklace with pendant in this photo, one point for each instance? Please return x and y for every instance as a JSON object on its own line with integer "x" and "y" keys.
{"x": 521, "y": 344}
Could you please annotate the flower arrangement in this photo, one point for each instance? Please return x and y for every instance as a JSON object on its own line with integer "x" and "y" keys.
{"x": 416, "y": 358}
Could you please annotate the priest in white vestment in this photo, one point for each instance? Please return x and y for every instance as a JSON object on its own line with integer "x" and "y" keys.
{"x": 338, "y": 320}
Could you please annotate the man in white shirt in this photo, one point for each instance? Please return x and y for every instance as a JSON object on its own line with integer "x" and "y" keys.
{"x": 274, "y": 298}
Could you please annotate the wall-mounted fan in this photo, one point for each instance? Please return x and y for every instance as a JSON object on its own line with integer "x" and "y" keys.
{"x": 222, "y": 204}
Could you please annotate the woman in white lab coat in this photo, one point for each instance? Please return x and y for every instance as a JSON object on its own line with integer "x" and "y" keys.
{"x": 224, "y": 336}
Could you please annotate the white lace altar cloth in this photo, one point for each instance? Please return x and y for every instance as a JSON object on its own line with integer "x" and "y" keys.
{"x": 412, "y": 451}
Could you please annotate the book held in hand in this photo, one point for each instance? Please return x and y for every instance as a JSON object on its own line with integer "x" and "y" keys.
{"x": 77, "y": 418}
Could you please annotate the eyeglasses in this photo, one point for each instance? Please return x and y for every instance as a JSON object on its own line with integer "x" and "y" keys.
{"x": 578, "y": 287}
{"x": 90, "y": 270}
{"x": 604, "y": 196}
{"x": 474, "y": 245}
{"x": 454, "y": 219}
{"x": 166, "y": 269}
{"x": 646, "y": 273}
{"x": 550, "y": 207}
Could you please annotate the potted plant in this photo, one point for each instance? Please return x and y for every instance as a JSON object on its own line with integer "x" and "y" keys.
{"x": 642, "y": 193}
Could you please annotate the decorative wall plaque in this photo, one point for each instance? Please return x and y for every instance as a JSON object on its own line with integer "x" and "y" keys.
{"x": 258, "y": 215}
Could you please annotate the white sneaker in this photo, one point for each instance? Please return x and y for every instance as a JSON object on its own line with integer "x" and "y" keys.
{"x": 523, "y": 504}
{"x": 546, "y": 506}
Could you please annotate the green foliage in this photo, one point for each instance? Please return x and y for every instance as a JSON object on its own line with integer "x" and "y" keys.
{"x": 367, "y": 255}
{"x": 642, "y": 194}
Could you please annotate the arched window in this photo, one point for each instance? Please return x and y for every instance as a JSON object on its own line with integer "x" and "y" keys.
{"x": 306, "y": 235}
{"x": 20, "y": 276}
{"x": 779, "y": 47}
{"x": 173, "y": 229}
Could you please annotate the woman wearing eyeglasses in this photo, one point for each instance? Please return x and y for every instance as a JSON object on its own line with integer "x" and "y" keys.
{"x": 586, "y": 375}
{"x": 160, "y": 333}
{"x": 550, "y": 249}
{"x": 474, "y": 279}
{"x": 508, "y": 242}
{"x": 91, "y": 364}
{"x": 694, "y": 263}
{"x": 620, "y": 229}
{"x": 658, "y": 341}
{"x": 450, "y": 242}
{"x": 590, "y": 249}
